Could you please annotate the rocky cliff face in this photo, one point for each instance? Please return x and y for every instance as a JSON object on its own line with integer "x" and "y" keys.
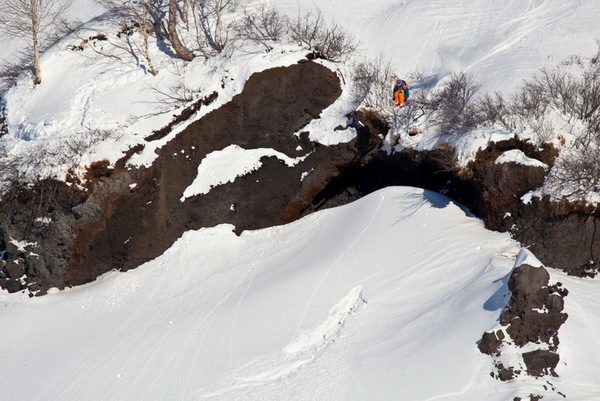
{"x": 531, "y": 319}
{"x": 127, "y": 216}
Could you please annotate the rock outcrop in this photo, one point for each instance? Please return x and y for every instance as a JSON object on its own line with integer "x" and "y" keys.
{"x": 56, "y": 235}
{"x": 128, "y": 216}
{"x": 529, "y": 324}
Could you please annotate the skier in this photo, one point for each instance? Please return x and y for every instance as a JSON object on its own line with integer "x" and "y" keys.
{"x": 401, "y": 92}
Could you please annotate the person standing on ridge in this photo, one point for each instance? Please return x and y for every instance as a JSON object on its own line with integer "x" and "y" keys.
{"x": 401, "y": 92}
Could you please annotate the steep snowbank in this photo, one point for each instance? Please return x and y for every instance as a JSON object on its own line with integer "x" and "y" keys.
{"x": 384, "y": 298}
{"x": 389, "y": 295}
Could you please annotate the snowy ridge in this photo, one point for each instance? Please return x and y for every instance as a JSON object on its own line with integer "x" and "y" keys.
{"x": 214, "y": 316}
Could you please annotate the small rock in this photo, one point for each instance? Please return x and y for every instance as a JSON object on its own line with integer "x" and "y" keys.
{"x": 490, "y": 342}
{"x": 555, "y": 303}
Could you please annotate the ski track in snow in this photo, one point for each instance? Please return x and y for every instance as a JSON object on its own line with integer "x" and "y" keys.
{"x": 309, "y": 345}
{"x": 335, "y": 263}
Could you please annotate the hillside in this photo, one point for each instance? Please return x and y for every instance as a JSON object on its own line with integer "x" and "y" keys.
{"x": 247, "y": 225}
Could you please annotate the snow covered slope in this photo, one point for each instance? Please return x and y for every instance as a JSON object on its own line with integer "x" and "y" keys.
{"x": 381, "y": 299}
{"x": 83, "y": 92}
{"x": 498, "y": 42}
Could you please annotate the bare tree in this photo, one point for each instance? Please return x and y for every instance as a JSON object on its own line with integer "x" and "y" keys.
{"x": 263, "y": 26}
{"x": 161, "y": 15}
{"x": 182, "y": 51}
{"x": 185, "y": 11}
{"x": 140, "y": 17}
{"x": 212, "y": 28}
{"x": 34, "y": 20}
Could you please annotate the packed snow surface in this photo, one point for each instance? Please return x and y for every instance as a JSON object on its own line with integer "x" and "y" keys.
{"x": 223, "y": 166}
{"x": 381, "y": 299}
{"x": 388, "y": 295}
{"x": 517, "y": 156}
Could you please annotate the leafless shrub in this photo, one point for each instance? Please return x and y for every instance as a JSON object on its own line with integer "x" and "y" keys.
{"x": 328, "y": 41}
{"x": 573, "y": 91}
{"x": 83, "y": 142}
{"x": 452, "y": 107}
{"x": 263, "y": 27}
{"x": 307, "y": 27}
{"x": 493, "y": 109}
{"x": 575, "y": 95}
{"x": 530, "y": 108}
{"x": 9, "y": 168}
{"x": 526, "y": 108}
{"x": 335, "y": 44}
{"x": 372, "y": 82}
{"x": 177, "y": 94}
{"x": 578, "y": 174}
{"x": 212, "y": 28}
{"x": 37, "y": 162}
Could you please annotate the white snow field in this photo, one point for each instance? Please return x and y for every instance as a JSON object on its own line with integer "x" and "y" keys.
{"x": 382, "y": 299}
{"x": 498, "y": 43}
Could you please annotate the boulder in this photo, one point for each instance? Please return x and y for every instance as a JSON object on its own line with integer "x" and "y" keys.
{"x": 541, "y": 362}
{"x": 491, "y": 341}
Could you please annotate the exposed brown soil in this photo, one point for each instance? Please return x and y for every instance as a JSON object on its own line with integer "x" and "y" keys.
{"x": 145, "y": 222}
